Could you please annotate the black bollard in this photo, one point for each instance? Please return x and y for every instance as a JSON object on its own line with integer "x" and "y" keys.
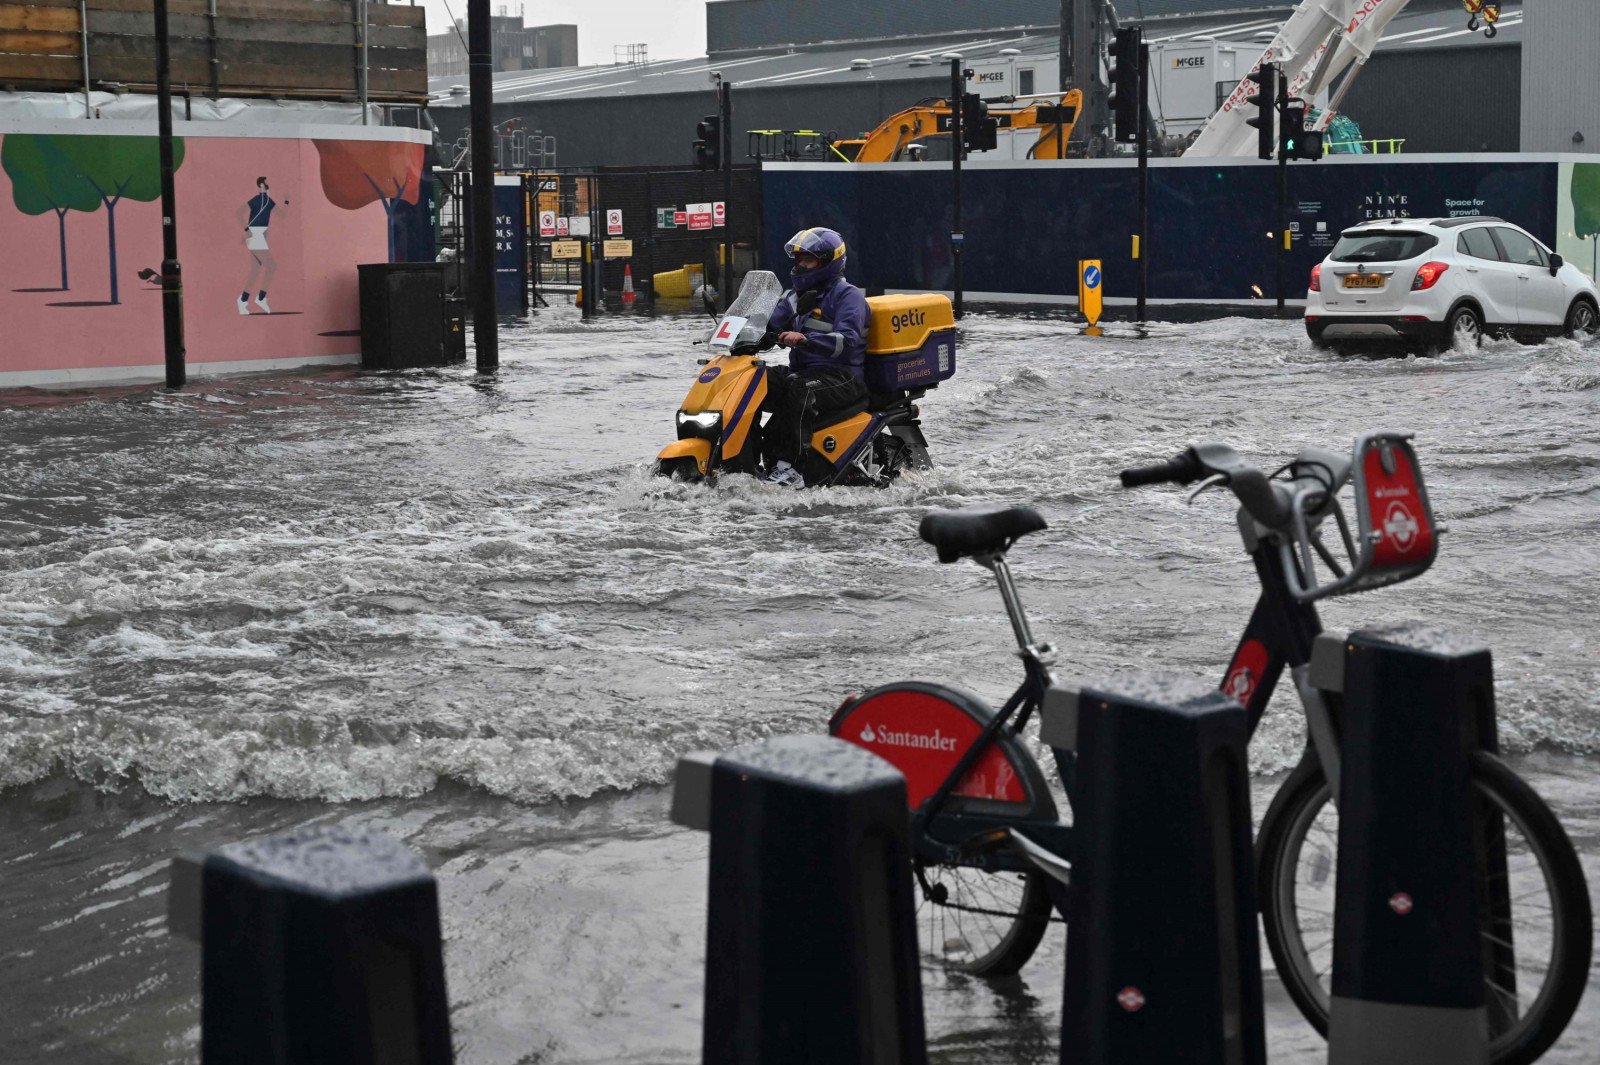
{"x": 319, "y": 945}
{"x": 1408, "y": 960}
{"x": 1162, "y": 960}
{"x": 811, "y": 942}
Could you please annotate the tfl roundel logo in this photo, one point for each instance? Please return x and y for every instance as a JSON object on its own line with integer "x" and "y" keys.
{"x": 710, "y": 375}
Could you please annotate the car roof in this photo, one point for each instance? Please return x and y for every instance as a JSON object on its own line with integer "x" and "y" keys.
{"x": 1379, "y": 225}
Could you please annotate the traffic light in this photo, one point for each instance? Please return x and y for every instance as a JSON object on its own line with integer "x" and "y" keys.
{"x": 978, "y": 131}
{"x": 1294, "y": 140}
{"x": 1265, "y": 98}
{"x": 1124, "y": 58}
{"x": 708, "y": 143}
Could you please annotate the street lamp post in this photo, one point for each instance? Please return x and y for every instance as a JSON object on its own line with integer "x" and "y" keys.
{"x": 171, "y": 271}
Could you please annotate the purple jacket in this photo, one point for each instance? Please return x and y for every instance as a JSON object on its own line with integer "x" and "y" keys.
{"x": 836, "y": 330}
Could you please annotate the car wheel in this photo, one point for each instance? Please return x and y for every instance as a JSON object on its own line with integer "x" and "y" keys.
{"x": 1466, "y": 327}
{"x": 1582, "y": 319}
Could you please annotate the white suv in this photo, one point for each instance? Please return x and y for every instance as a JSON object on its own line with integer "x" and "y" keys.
{"x": 1440, "y": 280}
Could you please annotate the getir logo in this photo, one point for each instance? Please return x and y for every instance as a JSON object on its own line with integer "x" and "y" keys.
{"x": 907, "y": 320}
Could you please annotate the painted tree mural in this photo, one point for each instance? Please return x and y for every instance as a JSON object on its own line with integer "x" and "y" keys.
{"x": 117, "y": 168}
{"x": 1586, "y": 209}
{"x": 43, "y": 181}
{"x": 355, "y": 173}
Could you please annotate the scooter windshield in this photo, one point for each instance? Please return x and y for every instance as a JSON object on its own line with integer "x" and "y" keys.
{"x": 745, "y": 321}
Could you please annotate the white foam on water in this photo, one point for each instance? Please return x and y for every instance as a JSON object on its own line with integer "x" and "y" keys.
{"x": 336, "y": 586}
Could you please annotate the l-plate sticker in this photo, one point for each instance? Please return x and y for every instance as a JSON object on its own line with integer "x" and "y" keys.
{"x": 731, "y": 326}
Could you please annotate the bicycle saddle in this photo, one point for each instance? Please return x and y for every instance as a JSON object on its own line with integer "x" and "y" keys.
{"x": 981, "y": 530}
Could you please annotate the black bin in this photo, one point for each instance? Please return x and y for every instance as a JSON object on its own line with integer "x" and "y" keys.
{"x": 402, "y": 315}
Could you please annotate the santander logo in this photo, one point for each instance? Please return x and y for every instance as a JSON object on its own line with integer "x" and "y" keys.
{"x": 884, "y": 737}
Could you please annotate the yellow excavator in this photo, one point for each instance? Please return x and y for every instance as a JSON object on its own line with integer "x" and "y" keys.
{"x": 896, "y": 137}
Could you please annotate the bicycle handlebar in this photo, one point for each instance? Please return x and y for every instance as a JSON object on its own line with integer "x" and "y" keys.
{"x": 1183, "y": 469}
{"x": 1266, "y": 502}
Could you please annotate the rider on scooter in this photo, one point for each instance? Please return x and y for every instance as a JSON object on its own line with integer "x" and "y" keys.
{"x": 823, "y": 323}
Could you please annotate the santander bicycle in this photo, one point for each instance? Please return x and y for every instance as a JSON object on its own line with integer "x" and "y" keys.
{"x": 992, "y": 857}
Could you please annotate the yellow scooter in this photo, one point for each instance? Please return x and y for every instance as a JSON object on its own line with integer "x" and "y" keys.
{"x": 911, "y": 347}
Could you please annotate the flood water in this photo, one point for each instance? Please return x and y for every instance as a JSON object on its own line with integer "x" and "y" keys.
{"x": 461, "y": 610}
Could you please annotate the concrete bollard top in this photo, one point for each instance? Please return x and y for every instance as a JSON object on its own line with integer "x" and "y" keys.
{"x": 333, "y": 861}
{"x": 820, "y": 762}
{"x": 1421, "y": 637}
{"x": 330, "y": 860}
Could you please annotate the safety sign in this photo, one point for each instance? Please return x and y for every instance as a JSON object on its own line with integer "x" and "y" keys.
{"x": 719, "y": 213}
{"x": 614, "y": 222}
{"x": 547, "y": 223}
{"x": 1090, "y": 291}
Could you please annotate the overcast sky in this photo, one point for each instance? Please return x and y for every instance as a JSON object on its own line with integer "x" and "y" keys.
{"x": 674, "y": 29}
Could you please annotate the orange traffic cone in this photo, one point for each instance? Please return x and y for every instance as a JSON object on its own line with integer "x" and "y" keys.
{"x": 627, "y": 284}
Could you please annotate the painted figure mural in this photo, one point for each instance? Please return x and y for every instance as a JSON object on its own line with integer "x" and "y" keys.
{"x": 256, "y": 216}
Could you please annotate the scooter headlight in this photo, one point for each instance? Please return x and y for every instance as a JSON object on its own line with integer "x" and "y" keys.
{"x": 707, "y": 423}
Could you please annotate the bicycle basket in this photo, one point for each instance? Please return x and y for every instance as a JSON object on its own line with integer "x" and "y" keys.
{"x": 1396, "y": 538}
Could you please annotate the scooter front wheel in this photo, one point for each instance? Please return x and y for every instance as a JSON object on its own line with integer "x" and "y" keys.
{"x": 679, "y": 469}
{"x": 978, "y": 922}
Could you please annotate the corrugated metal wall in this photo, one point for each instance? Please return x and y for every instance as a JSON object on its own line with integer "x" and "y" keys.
{"x": 1464, "y": 99}
{"x": 1560, "y": 76}
{"x": 658, "y": 130}
{"x": 733, "y": 25}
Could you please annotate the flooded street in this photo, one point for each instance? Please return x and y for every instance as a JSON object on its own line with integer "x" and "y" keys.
{"x": 462, "y": 610}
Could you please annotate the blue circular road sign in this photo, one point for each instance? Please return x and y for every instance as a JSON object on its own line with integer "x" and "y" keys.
{"x": 1091, "y": 276}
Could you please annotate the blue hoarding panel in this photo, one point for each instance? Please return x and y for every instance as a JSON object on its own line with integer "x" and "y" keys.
{"x": 510, "y": 248}
{"x": 1211, "y": 226}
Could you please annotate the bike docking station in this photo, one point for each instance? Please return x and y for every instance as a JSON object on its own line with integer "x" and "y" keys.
{"x": 811, "y": 958}
{"x": 1414, "y": 846}
{"x": 319, "y": 945}
{"x": 1162, "y": 955}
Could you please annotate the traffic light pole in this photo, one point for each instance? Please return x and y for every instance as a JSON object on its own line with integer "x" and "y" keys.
{"x": 725, "y": 109}
{"x": 1283, "y": 187}
{"x": 957, "y": 150}
{"x": 480, "y": 81}
{"x": 1144, "y": 179}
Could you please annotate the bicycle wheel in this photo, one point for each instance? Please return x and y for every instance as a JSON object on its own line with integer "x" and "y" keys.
{"x": 1550, "y": 919}
{"x": 972, "y": 921}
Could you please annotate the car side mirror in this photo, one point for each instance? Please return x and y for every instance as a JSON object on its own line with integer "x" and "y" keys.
{"x": 1556, "y": 262}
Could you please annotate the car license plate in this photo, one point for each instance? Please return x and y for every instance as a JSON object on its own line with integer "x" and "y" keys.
{"x": 1363, "y": 280}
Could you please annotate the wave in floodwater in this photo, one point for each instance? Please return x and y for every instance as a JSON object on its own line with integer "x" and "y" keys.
{"x": 346, "y": 586}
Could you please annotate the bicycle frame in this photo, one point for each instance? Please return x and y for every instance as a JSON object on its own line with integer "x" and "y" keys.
{"x": 1278, "y": 636}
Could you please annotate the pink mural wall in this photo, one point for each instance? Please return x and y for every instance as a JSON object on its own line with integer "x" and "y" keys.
{"x": 91, "y": 199}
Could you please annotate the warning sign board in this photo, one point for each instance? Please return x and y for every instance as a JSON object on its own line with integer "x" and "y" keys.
{"x": 699, "y": 215}
{"x": 547, "y": 223}
{"x": 561, "y": 226}
{"x": 617, "y": 249}
{"x": 1090, "y": 289}
{"x": 614, "y": 222}
{"x": 680, "y": 218}
{"x": 567, "y": 249}
{"x": 719, "y": 213}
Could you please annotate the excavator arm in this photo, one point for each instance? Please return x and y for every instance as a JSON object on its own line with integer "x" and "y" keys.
{"x": 1053, "y": 116}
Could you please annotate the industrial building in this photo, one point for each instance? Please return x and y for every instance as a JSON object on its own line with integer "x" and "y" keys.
{"x": 512, "y": 46}
{"x": 1432, "y": 85}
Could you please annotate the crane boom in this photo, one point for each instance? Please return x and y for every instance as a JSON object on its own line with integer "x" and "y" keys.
{"x": 1317, "y": 44}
